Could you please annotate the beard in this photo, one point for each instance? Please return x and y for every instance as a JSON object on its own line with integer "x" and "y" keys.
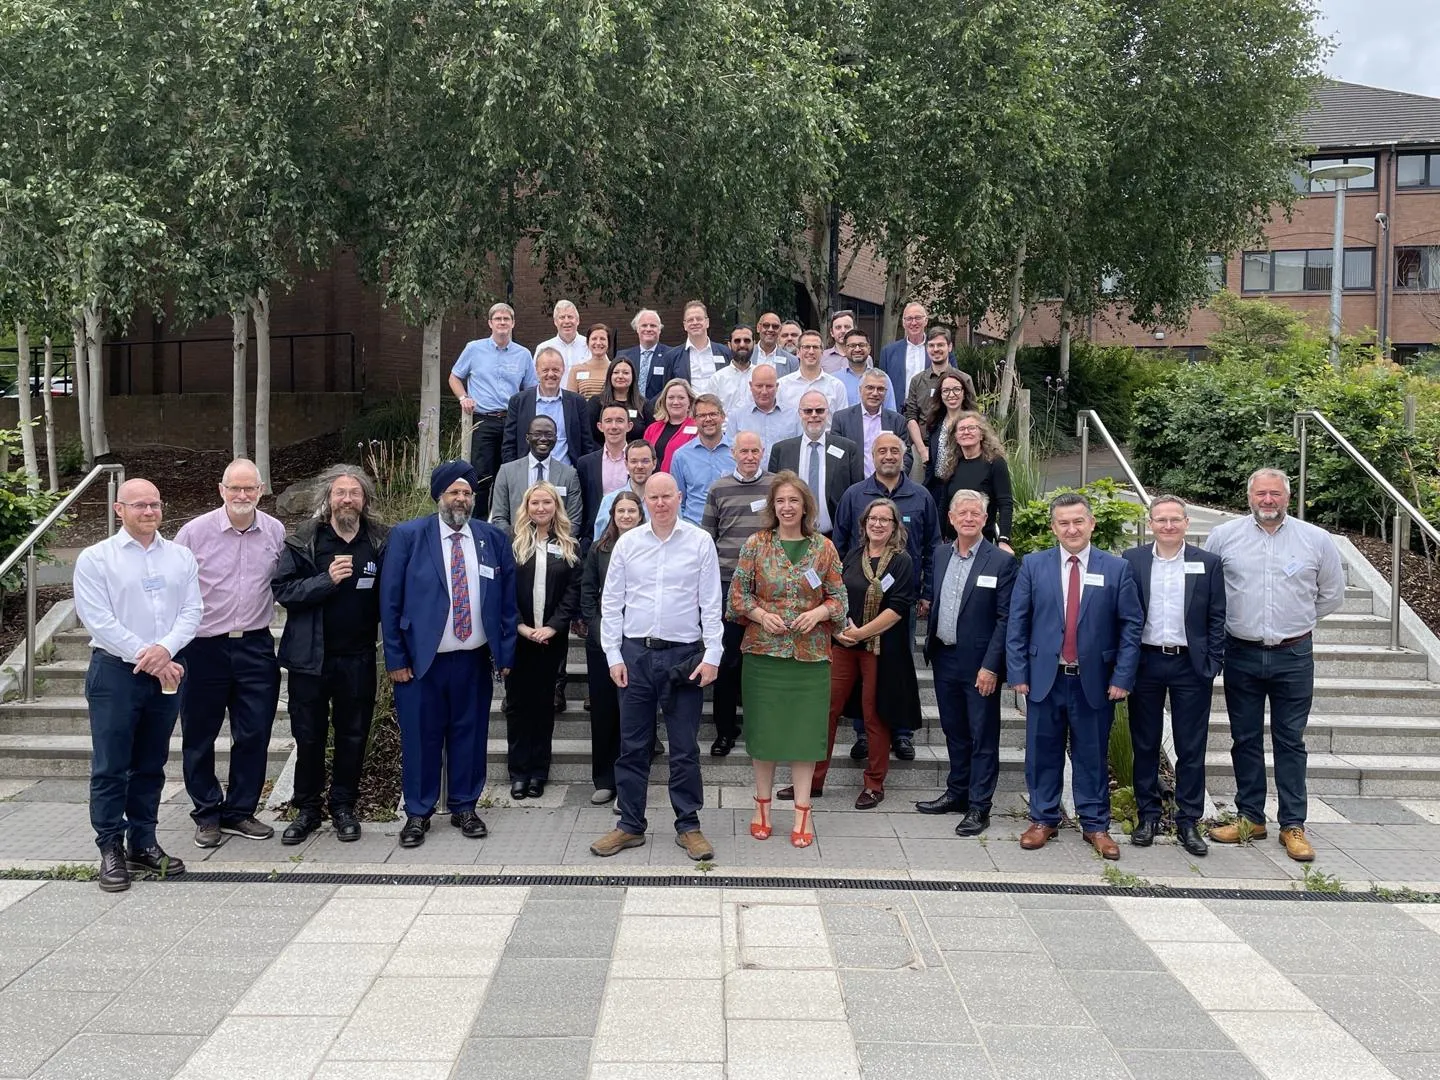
{"x": 455, "y": 516}
{"x": 345, "y": 518}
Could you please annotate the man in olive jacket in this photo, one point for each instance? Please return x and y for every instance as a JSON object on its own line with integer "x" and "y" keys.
{"x": 327, "y": 582}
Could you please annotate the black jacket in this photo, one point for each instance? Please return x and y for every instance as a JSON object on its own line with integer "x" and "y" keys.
{"x": 302, "y": 590}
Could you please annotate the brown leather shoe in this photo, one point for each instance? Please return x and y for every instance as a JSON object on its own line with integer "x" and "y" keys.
{"x": 616, "y": 841}
{"x": 1102, "y": 843}
{"x": 1296, "y": 846}
{"x": 868, "y": 800}
{"x": 1230, "y": 832}
{"x": 1037, "y": 836}
{"x": 695, "y": 845}
{"x": 787, "y": 793}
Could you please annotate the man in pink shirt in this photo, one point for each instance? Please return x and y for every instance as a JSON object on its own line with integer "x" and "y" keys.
{"x": 231, "y": 664}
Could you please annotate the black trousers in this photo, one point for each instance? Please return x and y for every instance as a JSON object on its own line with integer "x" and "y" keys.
{"x": 604, "y": 713}
{"x": 530, "y": 712}
{"x": 242, "y": 677}
{"x": 342, "y": 695}
{"x": 486, "y": 439}
{"x": 726, "y": 702}
{"x": 130, "y": 726}
{"x": 1190, "y": 722}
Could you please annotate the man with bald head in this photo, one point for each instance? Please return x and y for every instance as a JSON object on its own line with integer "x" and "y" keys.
{"x": 139, "y": 596}
{"x": 232, "y": 664}
{"x": 762, "y": 414}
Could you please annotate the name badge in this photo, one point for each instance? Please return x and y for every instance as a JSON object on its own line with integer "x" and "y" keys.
{"x": 1194, "y": 568}
{"x": 987, "y": 581}
{"x": 757, "y": 506}
{"x": 812, "y": 578}
{"x": 561, "y": 490}
{"x": 554, "y": 549}
{"x": 634, "y": 413}
{"x": 1292, "y": 568}
{"x": 835, "y": 452}
{"x": 1094, "y": 579}
{"x": 932, "y": 393}
{"x": 886, "y": 582}
{"x": 905, "y": 518}
{"x": 689, "y": 429}
{"x": 657, "y": 371}
{"x": 486, "y": 571}
{"x": 153, "y": 584}
{"x": 365, "y": 583}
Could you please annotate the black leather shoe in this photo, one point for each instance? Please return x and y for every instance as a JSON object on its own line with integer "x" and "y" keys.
{"x": 517, "y": 789}
{"x": 722, "y": 746}
{"x": 560, "y": 704}
{"x": 114, "y": 874}
{"x": 153, "y": 860}
{"x": 413, "y": 834}
{"x": 943, "y": 805}
{"x": 347, "y": 825}
{"x": 903, "y": 747}
{"x": 1191, "y": 840}
{"x": 305, "y": 823}
{"x": 534, "y": 789}
{"x": 469, "y": 824}
{"x": 973, "y": 823}
{"x": 1143, "y": 835}
{"x": 861, "y": 750}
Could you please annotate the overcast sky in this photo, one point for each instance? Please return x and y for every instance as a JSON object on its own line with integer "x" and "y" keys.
{"x": 1389, "y": 43}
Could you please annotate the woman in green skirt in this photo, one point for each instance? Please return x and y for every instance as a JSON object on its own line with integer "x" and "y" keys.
{"x": 787, "y": 588}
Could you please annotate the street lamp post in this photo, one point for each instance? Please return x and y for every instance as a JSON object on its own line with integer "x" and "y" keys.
{"x": 1342, "y": 175}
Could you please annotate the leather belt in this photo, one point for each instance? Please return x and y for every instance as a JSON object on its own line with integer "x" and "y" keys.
{"x": 661, "y": 643}
{"x": 231, "y": 634}
{"x": 1165, "y": 650}
{"x": 1069, "y": 669}
{"x": 1286, "y": 643}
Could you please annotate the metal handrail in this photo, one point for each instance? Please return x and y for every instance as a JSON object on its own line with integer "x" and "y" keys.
{"x": 1084, "y": 418}
{"x": 116, "y": 474}
{"x": 1403, "y": 506}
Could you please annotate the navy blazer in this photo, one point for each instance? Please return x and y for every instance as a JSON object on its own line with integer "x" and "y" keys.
{"x": 645, "y": 377}
{"x": 592, "y": 490}
{"x": 1111, "y": 621}
{"x": 415, "y": 599}
{"x": 676, "y": 365}
{"x": 579, "y": 435}
{"x": 1204, "y": 603}
{"x": 984, "y": 612}
{"x": 847, "y": 424}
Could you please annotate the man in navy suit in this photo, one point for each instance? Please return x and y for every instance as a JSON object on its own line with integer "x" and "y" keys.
{"x": 695, "y": 359}
{"x": 864, "y": 422}
{"x": 1072, "y": 648}
{"x": 649, "y": 355}
{"x": 965, "y": 644}
{"x": 573, "y": 438}
{"x": 904, "y": 359}
{"x": 448, "y": 621}
{"x": 1182, "y": 591}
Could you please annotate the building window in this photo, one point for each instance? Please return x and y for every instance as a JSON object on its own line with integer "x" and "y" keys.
{"x": 1306, "y": 271}
{"x": 1417, "y": 170}
{"x": 1215, "y": 267}
{"x": 1417, "y": 267}
{"x": 1305, "y": 184}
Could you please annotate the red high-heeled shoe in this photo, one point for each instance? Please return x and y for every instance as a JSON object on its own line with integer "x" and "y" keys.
{"x": 803, "y": 834}
{"x": 761, "y": 830}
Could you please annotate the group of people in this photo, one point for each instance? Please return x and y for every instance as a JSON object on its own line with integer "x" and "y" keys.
{"x": 763, "y": 534}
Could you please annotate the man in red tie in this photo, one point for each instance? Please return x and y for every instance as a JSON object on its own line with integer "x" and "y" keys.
{"x": 1073, "y": 648}
{"x": 448, "y": 620}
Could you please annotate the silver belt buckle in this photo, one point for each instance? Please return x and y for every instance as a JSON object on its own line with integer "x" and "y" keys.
{"x": 236, "y": 633}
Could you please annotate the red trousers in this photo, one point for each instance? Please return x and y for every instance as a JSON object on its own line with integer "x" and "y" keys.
{"x": 846, "y": 666}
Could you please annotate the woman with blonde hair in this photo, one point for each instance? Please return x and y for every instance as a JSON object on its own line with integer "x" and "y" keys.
{"x": 975, "y": 461}
{"x": 674, "y": 424}
{"x": 787, "y": 588}
{"x": 587, "y": 378}
{"x": 547, "y": 595}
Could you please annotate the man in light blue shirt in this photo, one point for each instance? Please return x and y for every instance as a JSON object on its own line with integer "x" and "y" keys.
{"x": 487, "y": 375}
{"x": 639, "y": 463}
{"x": 703, "y": 460}
{"x": 762, "y": 415}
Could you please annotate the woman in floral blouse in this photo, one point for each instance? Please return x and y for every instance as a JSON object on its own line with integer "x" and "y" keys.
{"x": 787, "y": 588}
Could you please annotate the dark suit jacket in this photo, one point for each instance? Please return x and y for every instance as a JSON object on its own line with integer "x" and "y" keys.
{"x": 1111, "y": 621}
{"x": 676, "y": 365}
{"x": 984, "y": 612}
{"x": 847, "y": 424}
{"x": 840, "y": 472}
{"x": 562, "y": 593}
{"x": 1204, "y": 603}
{"x": 415, "y": 599}
{"x": 892, "y": 362}
{"x": 592, "y": 490}
{"x": 579, "y": 435}
{"x": 646, "y": 375}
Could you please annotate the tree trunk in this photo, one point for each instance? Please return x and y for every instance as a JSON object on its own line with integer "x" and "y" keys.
{"x": 24, "y": 402}
{"x": 240, "y": 356}
{"x": 48, "y": 403}
{"x": 260, "y": 308}
{"x": 897, "y": 285}
{"x": 1016, "y": 315}
{"x": 95, "y": 359}
{"x": 428, "y": 443}
{"x": 1066, "y": 317}
{"x": 80, "y": 376}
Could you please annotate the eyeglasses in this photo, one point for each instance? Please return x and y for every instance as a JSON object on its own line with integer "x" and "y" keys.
{"x": 878, "y": 520}
{"x": 145, "y": 507}
{"x": 952, "y": 390}
{"x": 817, "y": 411}
{"x": 1168, "y": 522}
{"x": 707, "y": 416}
{"x": 969, "y": 429}
{"x": 242, "y": 489}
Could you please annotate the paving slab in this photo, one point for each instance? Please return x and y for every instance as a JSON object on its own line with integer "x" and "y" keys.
{"x": 119, "y": 1057}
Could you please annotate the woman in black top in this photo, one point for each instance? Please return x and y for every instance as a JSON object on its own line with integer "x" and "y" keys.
{"x": 873, "y": 648}
{"x": 621, "y": 389}
{"x": 952, "y": 397}
{"x": 547, "y": 599}
{"x": 626, "y": 512}
{"x": 974, "y": 458}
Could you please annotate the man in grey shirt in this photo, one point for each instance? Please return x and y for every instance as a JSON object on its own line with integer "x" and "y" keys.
{"x": 1282, "y": 576}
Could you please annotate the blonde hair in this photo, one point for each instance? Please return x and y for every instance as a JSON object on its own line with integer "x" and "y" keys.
{"x": 561, "y": 530}
{"x": 662, "y": 410}
{"x": 990, "y": 445}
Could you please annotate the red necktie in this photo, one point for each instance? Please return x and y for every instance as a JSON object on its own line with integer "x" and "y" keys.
{"x": 1070, "y": 647}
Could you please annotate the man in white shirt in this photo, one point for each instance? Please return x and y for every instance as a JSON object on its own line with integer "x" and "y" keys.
{"x": 732, "y": 382}
{"x": 573, "y": 348}
{"x": 768, "y": 349}
{"x": 697, "y": 358}
{"x": 660, "y": 619}
{"x": 139, "y": 596}
{"x": 810, "y": 376}
{"x": 904, "y": 359}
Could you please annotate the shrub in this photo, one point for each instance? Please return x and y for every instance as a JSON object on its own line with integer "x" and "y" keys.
{"x": 396, "y": 420}
{"x": 20, "y": 510}
{"x": 1030, "y": 528}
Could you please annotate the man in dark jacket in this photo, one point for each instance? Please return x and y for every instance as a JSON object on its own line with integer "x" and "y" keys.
{"x": 326, "y": 581}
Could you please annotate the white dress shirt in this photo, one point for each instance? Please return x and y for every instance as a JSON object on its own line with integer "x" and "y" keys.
{"x": 732, "y": 386}
{"x": 448, "y": 641}
{"x": 130, "y": 596}
{"x": 531, "y": 463}
{"x": 537, "y": 589}
{"x": 702, "y": 366}
{"x": 1065, "y": 574}
{"x": 916, "y": 360}
{"x": 1277, "y": 585}
{"x": 791, "y": 388}
{"x": 1165, "y": 617}
{"x": 577, "y": 352}
{"x": 668, "y": 589}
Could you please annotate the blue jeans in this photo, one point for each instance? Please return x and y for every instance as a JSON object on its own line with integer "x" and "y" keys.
{"x": 130, "y": 726}
{"x": 648, "y": 672}
{"x": 1286, "y": 679}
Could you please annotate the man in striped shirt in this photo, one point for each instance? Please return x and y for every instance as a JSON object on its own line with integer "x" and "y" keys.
{"x": 734, "y": 510}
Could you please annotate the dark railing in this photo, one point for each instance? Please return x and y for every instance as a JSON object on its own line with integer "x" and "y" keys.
{"x": 62, "y": 370}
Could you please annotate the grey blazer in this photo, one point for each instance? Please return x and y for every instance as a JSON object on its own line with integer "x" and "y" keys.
{"x": 514, "y": 479}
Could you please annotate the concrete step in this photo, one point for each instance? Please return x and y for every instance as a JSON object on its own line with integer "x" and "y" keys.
{"x": 69, "y": 756}
{"x": 1365, "y": 696}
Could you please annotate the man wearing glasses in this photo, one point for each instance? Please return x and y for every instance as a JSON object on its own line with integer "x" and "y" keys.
{"x": 811, "y": 376}
{"x": 904, "y": 359}
{"x": 231, "y": 665}
{"x": 768, "y": 349}
{"x": 828, "y": 464}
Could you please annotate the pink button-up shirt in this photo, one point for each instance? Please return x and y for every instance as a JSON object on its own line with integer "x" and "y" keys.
{"x": 613, "y": 475}
{"x": 235, "y": 570}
